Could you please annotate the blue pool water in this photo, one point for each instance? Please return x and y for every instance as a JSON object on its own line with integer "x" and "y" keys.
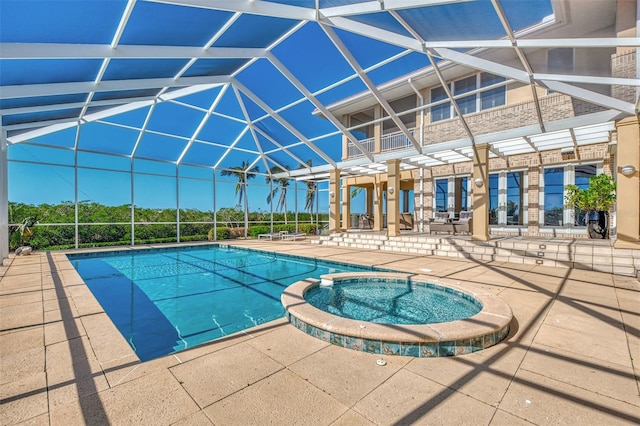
{"x": 393, "y": 301}
{"x": 167, "y": 300}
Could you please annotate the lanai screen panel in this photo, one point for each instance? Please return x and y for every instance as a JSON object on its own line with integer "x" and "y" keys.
{"x": 257, "y": 81}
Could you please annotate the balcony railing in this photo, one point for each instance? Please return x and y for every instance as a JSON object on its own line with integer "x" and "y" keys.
{"x": 355, "y": 152}
{"x": 396, "y": 140}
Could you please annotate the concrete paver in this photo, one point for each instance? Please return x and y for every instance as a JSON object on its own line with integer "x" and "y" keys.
{"x": 571, "y": 357}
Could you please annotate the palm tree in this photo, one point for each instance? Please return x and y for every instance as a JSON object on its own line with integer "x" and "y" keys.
{"x": 312, "y": 189}
{"x": 243, "y": 174}
{"x": 282, "y": 184}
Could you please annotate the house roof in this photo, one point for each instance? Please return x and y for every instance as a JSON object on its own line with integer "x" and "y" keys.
{"x": 222, "y": 82}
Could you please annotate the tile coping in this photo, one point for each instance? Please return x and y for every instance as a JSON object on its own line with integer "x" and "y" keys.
{"x": 480, "y": 331}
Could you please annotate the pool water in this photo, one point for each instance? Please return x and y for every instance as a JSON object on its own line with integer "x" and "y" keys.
{"x": 393, "y": 302}
{"x": 167, "y": 300}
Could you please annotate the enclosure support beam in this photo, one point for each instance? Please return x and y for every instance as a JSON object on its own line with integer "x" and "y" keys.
{"x": 334, "y": 200}
{"x": 215, "y": 208}
{"x": 4, "y": 199}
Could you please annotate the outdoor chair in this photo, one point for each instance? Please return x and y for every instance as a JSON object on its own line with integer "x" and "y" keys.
{"x": 272, "y": 235}
{"x": 463, "y": 224}
{"x": 365, "y": 222}
{"x": 295, "y": 236}
{"x": 441, "y": 223}
{"x": 406, "y": 221}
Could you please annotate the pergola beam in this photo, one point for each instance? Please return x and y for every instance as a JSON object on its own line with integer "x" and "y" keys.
{"x": 325, "y": 111}
{"x": 346, "y": 54}
{"x": 522, "y": 76}
{"x": 378, "y": 6}
{"x": 375, "y": 33}
{"x": 253, "y": 7}
{"x": 46, "y": 128}
{"x": 51, "y": 89}
{"x": 283, "y": 122}
{"x": 253, "y": 133}
{"x": 126, "y": 51}
{"x": 522, "y": 57}
{"x": 536, "y": 43}
{"x": 203, "y": 122}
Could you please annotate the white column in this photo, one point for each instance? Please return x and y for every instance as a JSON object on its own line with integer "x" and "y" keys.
{"x": 4, "y": 198}
{"x": 177, "y": 203}
{"x": 133, "y": 201}
{"x": 215, "y": 211}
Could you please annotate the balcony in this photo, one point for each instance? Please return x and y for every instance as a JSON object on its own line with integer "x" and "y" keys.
{"x": 396, "y": 140}
{"x": 354, "y": 152}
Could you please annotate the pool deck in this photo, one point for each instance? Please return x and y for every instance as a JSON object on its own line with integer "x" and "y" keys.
{"x": 572, "y": 357}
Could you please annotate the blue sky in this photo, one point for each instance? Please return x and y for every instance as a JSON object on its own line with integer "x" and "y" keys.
{"x": 173, "y": 130}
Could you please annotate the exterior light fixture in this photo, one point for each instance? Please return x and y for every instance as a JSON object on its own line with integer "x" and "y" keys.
{"x": 478, "y": 182}
{"x": 391, "y": 190}
{"x": 628, "y": 170}
{"x": 332, "y": 194}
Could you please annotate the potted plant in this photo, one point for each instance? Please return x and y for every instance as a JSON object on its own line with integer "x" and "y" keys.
{"x": 594, "y": 202}
{"x": 25, "y": 232}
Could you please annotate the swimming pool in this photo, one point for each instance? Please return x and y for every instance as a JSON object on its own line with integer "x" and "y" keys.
{"x": 170, "y": 299}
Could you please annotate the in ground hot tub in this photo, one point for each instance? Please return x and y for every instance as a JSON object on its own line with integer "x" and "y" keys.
{"x": 396, "y": 314}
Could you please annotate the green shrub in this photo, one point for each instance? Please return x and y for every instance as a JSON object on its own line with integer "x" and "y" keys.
{"x": 221, "y": 234}
{"x": 254, "y": 231}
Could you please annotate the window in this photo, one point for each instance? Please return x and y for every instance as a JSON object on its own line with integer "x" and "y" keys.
{"x": 560, "y": 60}
{"x": 514, "y": 198}
{"x": 366, "y": 131}
{"x": 442, "y": 111}
{"x": 494, "y": 97}
{"x": 466, "y": 104}
{"x": 553, "y": 196}
{"x": 398, "y": 106}
{"x": 493, "y": 198}
{"x": 583, "y": 173}
{"x": 442, "y": 194}
{"x": 477, "y": 101}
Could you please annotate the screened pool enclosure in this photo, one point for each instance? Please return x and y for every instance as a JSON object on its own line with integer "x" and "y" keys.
{"x": 128, "y": 122}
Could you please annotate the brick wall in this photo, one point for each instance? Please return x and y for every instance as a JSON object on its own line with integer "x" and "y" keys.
{"x": 554, "y": 107}
{"x": 624, "y": 65}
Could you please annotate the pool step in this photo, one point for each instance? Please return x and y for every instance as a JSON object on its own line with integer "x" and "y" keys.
{"x": 595, "y": 255}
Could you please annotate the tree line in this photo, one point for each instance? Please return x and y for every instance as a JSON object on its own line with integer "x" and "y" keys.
{"x": 103, "y": 225}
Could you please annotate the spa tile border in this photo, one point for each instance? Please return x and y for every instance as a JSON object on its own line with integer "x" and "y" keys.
{"x": 485, "y": 329}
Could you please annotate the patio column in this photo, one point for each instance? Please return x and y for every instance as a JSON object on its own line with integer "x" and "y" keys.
{"x": 4, "y": 198}
{"x": 480, "y": 221}
{"x": 346, "y": 207}
{"x": 334, "y": 200}
{"x": 369, "y": 200}
{"x": 393, "y": 198}
{"x": 377, "y": 130}
{"x": 628, "y": 186}
{"x": 377, "y": 203}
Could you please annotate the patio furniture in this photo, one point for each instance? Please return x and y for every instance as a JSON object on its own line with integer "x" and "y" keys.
{"x": 463, "y": 224}
{"x": 406, "y": 221}
{"x": 295, "y": 236}
{"x": 272, "y": 235}
{"x": 441, "y": 223}
{"x": 365, "y": 221}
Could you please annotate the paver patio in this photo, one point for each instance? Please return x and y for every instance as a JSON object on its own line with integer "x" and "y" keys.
{"x": 570, "y": 358}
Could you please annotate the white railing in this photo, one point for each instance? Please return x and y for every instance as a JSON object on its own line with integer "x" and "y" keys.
{"x": 355, "y": 152}
{"x": 396, "y": 140}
